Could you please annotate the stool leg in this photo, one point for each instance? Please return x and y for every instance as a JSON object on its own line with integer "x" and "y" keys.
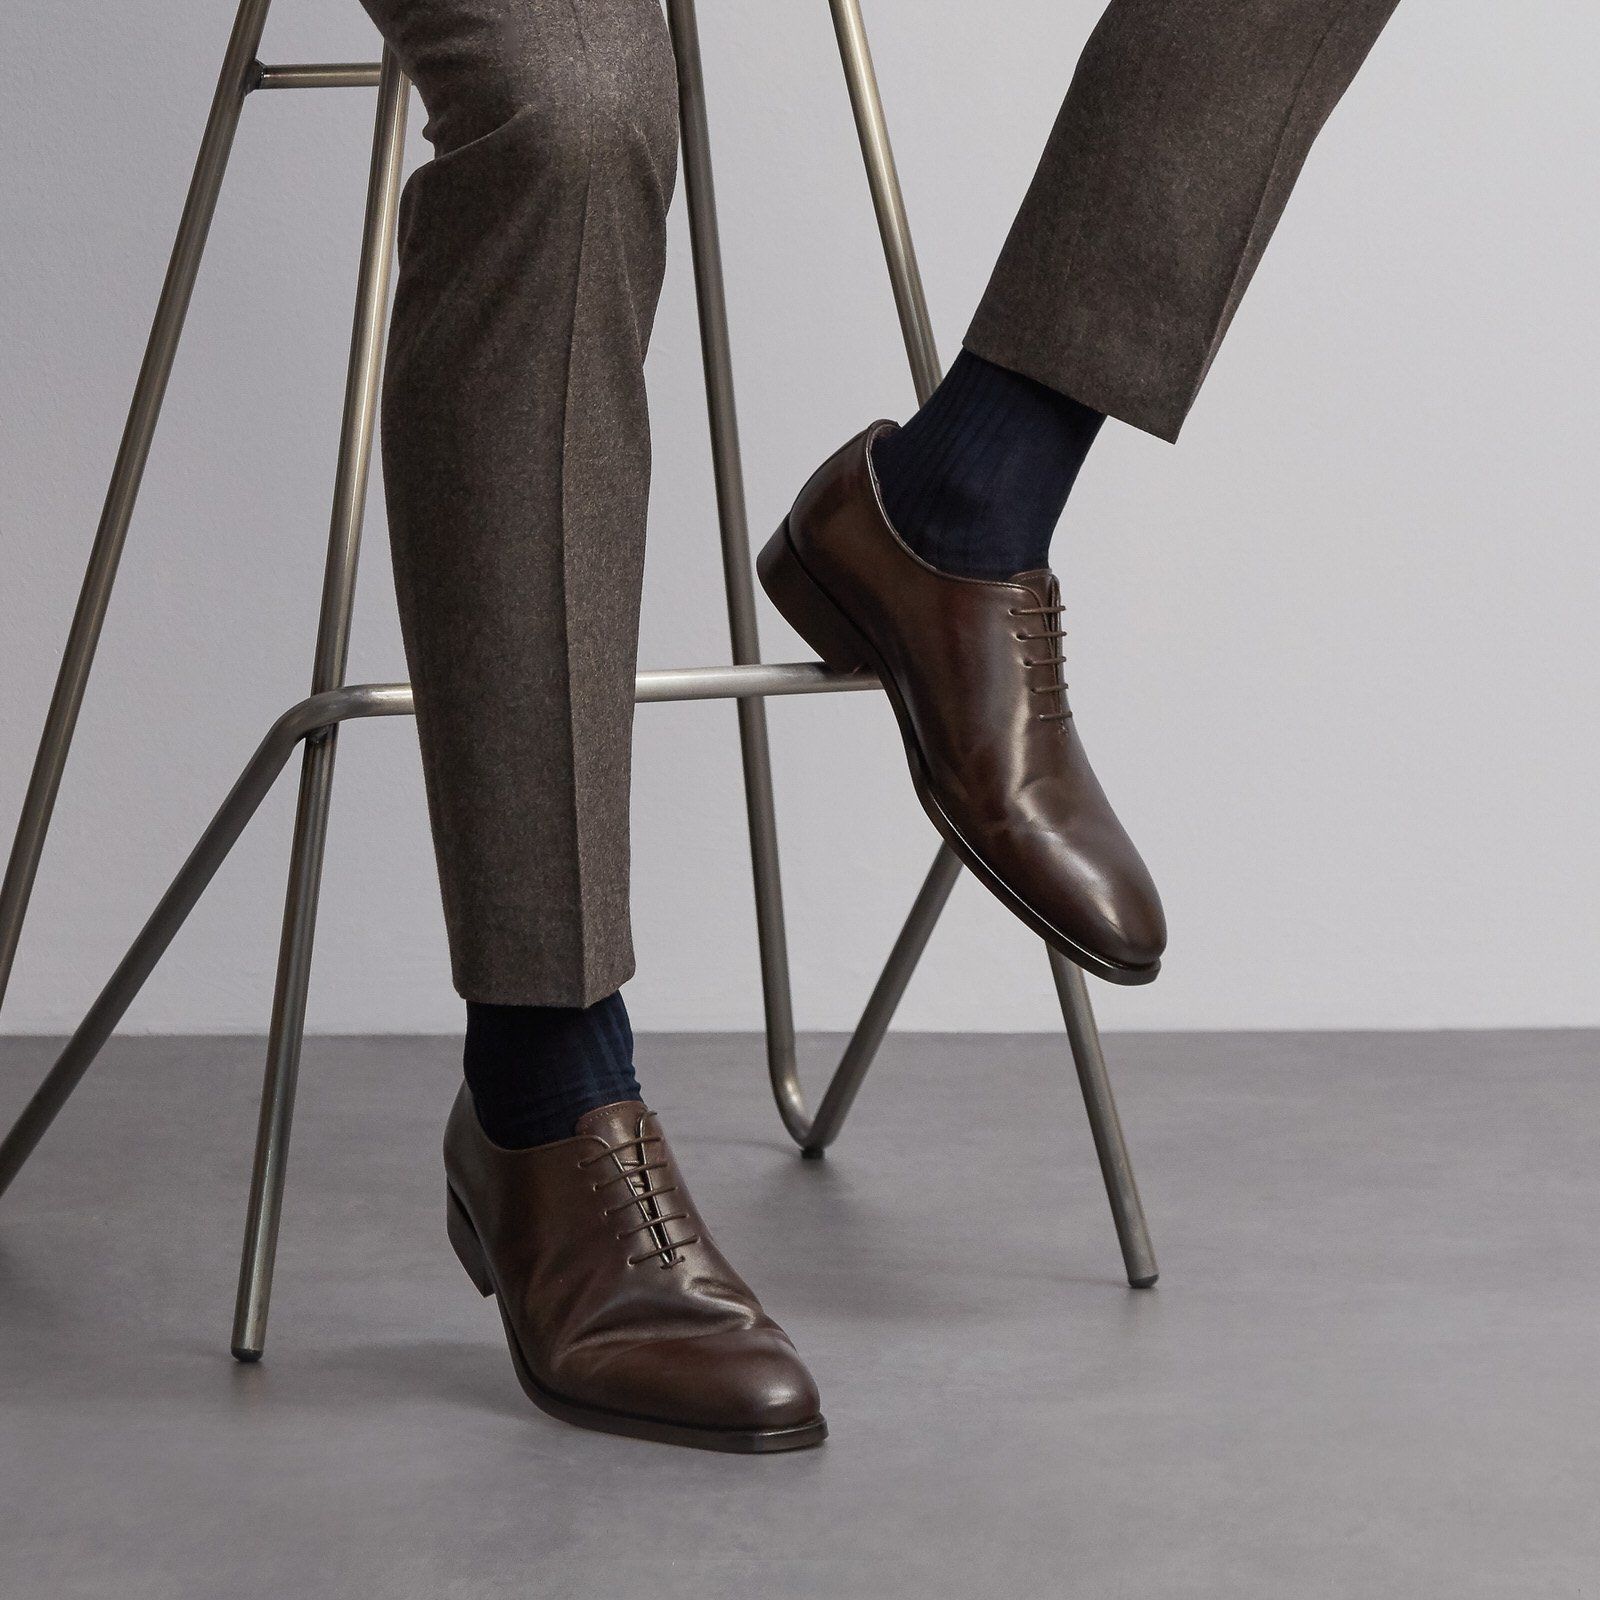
{"x": 233, "y": 84}
{"x": 888, "y": 201}
{"x": 316, "y": 775}
{"x": 733, "y": 524}
{"x": 880, "y": 1008}
{"x": 900, "y": 254}
{"x": 782, "y": 1065}
{"x": 159, "y": 930}
{"x": 1127, "y": 1211}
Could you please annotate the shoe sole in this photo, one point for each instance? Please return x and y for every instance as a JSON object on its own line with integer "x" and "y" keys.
{"x": 738, "y": 1441}
{"x": 813, "y": 613}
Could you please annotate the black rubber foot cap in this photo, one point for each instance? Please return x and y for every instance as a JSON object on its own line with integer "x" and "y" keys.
{"x": 812, "y": 1153}
{"x": 247, "y": 1357}
{"x": 1144, "y": 1283}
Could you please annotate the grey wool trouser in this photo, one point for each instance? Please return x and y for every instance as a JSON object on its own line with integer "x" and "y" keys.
{"x": 515, "y": 436}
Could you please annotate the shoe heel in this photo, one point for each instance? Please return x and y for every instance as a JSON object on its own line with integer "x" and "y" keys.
{"x": 464, "y": 1241}
{"x": 804, "y": 606}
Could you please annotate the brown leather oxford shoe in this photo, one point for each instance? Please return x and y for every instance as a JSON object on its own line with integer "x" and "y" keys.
{"x": 621, "y": 1313}
{"x": 973, "y": 671}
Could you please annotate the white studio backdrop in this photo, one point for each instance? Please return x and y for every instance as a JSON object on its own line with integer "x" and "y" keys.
{"x": 1335, "y": 654}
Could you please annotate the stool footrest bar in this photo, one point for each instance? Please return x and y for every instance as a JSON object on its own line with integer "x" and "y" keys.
{"x": 317, "y": 75}
{"x": 308, "y": 719}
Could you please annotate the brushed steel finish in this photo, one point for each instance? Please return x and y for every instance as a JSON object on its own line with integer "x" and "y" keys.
{"x": 287, "y": 1030}
{"x": 318, "y": 75}
{"x": 782, "y": 1063}
{"x": 814, "y": 1135}
{"x": 888, "y": 201}
{"x": 233, "y": 84}
{"x": 1127, "y": 1210}
{"x": 737, "y": 575}
{"x": 756, "y": 680}
{"x": 862, "y": 1049}
{"x": 210, "y": 851}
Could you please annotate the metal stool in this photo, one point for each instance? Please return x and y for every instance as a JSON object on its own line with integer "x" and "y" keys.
{"x": 314, "y": 721}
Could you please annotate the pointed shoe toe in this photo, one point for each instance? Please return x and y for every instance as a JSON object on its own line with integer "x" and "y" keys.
{"x": 748, "y": 1380}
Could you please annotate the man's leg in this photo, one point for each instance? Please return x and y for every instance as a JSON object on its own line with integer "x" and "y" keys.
{"x": 1185, "y": 127}
{"x": 1180, "y": 138}
{"x": 516, "y": 461}
{"x": 516, "y": 465}
{"x": 1170, "y": 163}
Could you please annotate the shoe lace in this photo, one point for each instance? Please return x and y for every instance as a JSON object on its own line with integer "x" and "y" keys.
{"x": 645, "y": 1192}
{"x": 1050, "y": 613}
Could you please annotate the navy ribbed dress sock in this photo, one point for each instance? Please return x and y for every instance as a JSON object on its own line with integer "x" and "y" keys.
{"x": 976, "y": 481}
{"x": 534, "y": 1070}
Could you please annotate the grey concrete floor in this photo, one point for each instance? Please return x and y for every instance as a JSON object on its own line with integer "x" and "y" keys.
{"x": 1369, "y": 1369}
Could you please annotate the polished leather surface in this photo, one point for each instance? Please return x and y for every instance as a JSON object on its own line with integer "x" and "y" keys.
{"x": 996, "y": 754}
{"x": 611, "y": 1286}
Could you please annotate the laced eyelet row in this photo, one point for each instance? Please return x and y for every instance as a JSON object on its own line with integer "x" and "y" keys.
{"x": 1055, "y": 661}
{"x": 655, "y": 1223}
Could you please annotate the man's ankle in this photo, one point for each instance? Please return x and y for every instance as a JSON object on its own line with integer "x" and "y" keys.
{"x": 976, "y": 481}
{"x": 533, "y": 1071}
